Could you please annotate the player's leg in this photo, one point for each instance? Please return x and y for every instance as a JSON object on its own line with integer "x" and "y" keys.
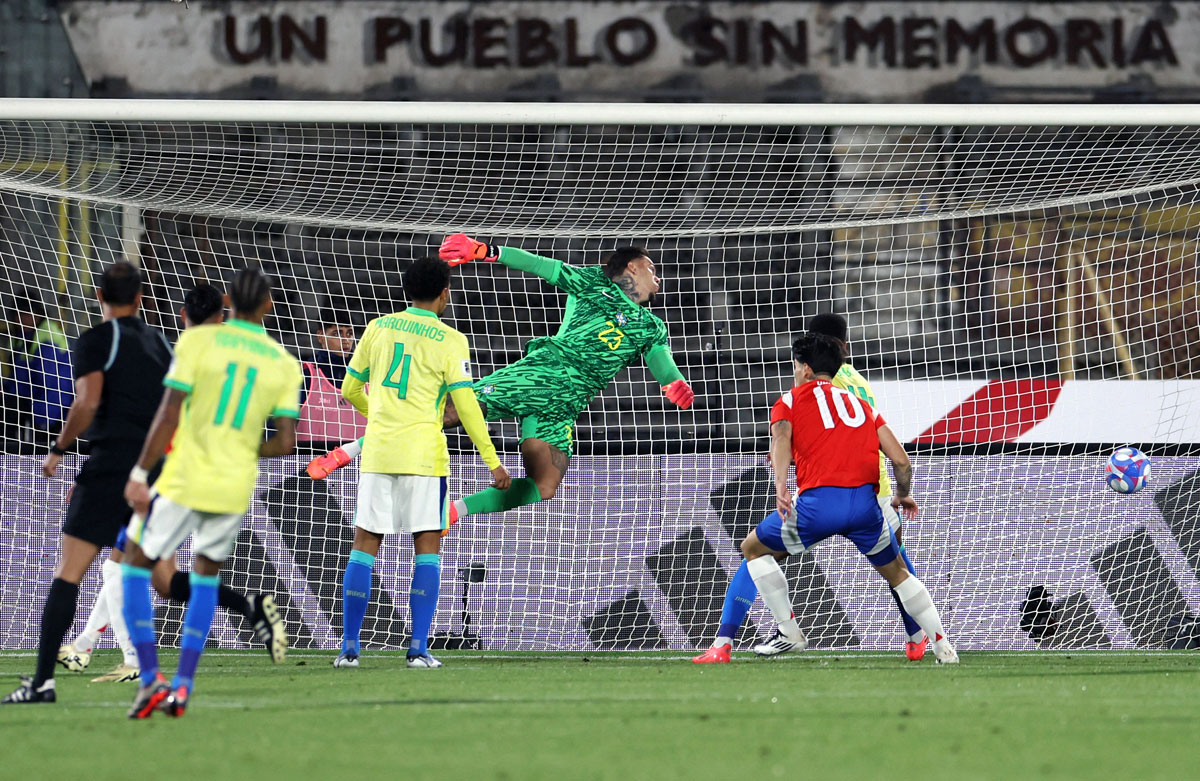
{"x": 915, "y": 640}
{"x": 58, "y": 613}
{"x": 374, "y": 517}
{"x": 356, "y": 594}
{"x": 872, "y": 534}
{"x": 764, "y": 569}
{"x": 76, "y": 655}
{"x": 214, "y": 538}
{"x": 739, "y": 597}
{"x": 420, "y": 502}
{"x": 149, "y": 539}
{"x": 139, "y": 618}
{"x": 320, "y": 467}
{"x": 259, "y": 610}
{"x": 532, "y": 390}
{"x": 114, "y": 594}
{"x": 915, "y": 599}
{"x": 546, "y": 448}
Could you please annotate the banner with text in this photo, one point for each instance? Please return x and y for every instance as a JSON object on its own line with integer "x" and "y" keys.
{"x": 881, "y": 51}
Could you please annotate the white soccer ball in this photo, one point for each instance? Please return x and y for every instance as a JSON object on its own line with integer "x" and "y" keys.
{"x": 1128, "y": 470}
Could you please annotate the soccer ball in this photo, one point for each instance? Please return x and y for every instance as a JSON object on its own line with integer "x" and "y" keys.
{"x": 75, "y": 661}
{"x": 1128, "y": 470}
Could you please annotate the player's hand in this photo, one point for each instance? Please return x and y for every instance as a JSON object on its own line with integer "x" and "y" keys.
{"x": 50, "y": 465}
{"x": 320, "y": 467}
{"x": 459, "y": 248}
{"x": 906, "y": 507}
{"x": 783, "y": 502}
{"x": 679, "y": 393}
{"x": 500, "y": 478}
{"x": 137, "y": 494}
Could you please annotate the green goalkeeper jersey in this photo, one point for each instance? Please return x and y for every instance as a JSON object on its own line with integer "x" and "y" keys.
{"x": 602, "y": 330}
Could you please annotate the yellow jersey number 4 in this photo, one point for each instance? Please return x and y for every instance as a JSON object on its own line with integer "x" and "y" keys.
{"x": 401, "y": 363}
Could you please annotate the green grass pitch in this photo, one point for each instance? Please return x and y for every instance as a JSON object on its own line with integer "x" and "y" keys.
{"x": 628, "y": 716}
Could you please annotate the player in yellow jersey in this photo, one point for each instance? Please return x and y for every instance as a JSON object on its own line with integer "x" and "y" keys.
{"x": 226, "y": 381}
{"x": 742, "y": 592}
{"x": 412, "y": 361}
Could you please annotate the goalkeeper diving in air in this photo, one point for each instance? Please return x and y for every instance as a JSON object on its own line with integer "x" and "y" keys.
{"x": 606, "y": 327}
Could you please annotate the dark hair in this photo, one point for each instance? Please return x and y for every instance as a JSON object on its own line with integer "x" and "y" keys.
{"x": 249, "y": 289}
{"x": 202, "y": 302}
{"x": 822, "y": 353}
{"x": 621, "y": 257}
{"x": 121, "y": 283}
{"x": 831, "y": 325}
{"x": 426, "y": 278}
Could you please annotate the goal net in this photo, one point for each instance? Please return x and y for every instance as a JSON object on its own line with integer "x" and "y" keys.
{"x": 1020, "y": 285}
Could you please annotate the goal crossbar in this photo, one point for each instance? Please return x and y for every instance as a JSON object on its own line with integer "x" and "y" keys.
{"x": 719, "y": 114}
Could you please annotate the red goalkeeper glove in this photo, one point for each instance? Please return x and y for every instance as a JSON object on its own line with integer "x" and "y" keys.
{"x": 680, "y": 394}
{"x": 320, "y": 467}
{"x": 459, "y": 248}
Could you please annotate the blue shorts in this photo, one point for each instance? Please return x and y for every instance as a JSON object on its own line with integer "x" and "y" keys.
{"x": 823, "y": 512}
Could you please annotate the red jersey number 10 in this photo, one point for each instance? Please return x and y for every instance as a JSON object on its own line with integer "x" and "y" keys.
{"x": 841, "y": 399}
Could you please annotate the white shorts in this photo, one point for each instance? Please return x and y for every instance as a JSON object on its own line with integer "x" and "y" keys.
{"x": 891, "y": 523}
{"x": 391, "y": 504}
{"x": 167, "y": 525}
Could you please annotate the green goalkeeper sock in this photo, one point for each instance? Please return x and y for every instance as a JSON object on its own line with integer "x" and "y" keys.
{"x": 523, "y": 491}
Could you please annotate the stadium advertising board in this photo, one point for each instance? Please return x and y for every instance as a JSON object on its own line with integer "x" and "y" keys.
{"x": 888, "y": 51}
{"x": 635, "y": 551}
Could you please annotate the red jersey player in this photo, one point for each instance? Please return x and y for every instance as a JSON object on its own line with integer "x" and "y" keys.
{"x": 834, "y": 439}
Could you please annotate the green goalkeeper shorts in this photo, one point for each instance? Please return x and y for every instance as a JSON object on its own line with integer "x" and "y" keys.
{"x": 537, "y": 391}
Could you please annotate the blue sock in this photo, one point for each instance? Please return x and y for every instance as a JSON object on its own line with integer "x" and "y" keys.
{"x": 356, "y": 593}
{"x": 738, "y": 598}
{"x": 202, "y": 603}
{"x": 139, "y": 618}
{"x": 910, "y": 626}
{"x": 422, "y": 599}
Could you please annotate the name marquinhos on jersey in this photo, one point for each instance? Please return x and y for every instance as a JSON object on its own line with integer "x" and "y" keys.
{"x": 412, "y": 327}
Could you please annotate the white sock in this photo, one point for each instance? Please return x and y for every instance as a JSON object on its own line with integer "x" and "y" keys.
{"x": 97, "y": 619}
{"x": 352, "y": 448}
{"x": 773, "y": 588}
{"x": 114, "y": 592}
{"x": 720, "y": 641}
{"x": 460, "y": 508}
{"x": 918, "y": 604}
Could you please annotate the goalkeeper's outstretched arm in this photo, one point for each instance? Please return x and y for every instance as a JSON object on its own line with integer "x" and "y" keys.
{"x": 461, "y": 248}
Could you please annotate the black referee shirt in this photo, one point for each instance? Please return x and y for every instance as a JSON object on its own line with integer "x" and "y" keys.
{"x": 134, "y": 358}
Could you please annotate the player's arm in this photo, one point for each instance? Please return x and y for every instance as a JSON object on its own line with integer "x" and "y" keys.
{"x": 781, "y": 462}
{"x": 662, "y": 365}
{"x": 89, "y": 360}
{"x": 354, "y": 390}
{"x": 282, "y": 442}
{"x": 457, "y": 376}
{"x": 358, "y": 372}
{"x": 461, "y": 248}
{"x": 286, "y": 413}
{"x": 902, "y": 469}
{"x": 472, "y": 420}
{"x": 166, "y": 420}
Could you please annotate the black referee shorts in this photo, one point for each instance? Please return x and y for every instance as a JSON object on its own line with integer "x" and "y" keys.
{"x": 98, "y": 510}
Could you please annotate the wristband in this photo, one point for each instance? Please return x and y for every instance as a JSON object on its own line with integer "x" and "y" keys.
{"x": 56, "y": 450}
{"x": 138, "y": 475}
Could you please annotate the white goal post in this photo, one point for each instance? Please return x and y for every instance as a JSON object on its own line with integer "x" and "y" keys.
{"x": 1020, "y": 284}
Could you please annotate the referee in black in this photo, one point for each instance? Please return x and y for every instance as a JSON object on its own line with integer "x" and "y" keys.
{"x": 119, "y": 367}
